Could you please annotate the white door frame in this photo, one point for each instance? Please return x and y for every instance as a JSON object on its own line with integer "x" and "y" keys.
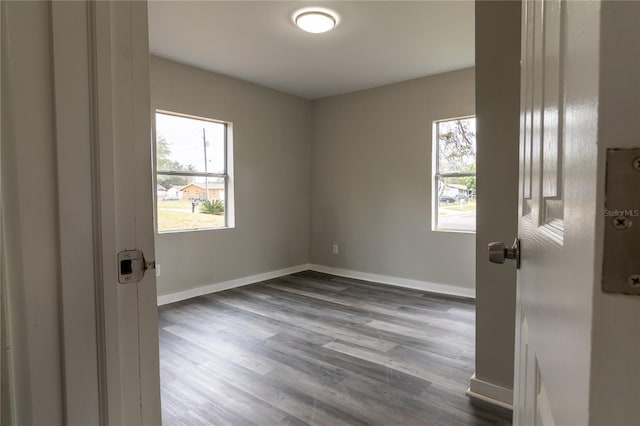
{"x": 110, "y": 348}
{"x": 615, "y": 392}
{"x": 79, "y": 243}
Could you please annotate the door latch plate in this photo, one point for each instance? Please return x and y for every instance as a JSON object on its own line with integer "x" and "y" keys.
{"x": 621, "y": 260}
{"x": 131, "y": 266}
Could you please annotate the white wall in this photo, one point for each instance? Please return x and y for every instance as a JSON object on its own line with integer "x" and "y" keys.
{"x": 371, "y": 181}
{"x": 271, "y": 140}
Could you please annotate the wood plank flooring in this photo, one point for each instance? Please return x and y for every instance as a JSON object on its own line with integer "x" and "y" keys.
{"x": 314, "y": 349}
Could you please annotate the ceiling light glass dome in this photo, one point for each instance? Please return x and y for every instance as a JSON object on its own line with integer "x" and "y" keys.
{"x": 315, "y": 21}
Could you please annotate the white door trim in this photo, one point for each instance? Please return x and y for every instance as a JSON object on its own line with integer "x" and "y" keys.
{"x": 126, "y": 197}
{"x": 101, "y": 81}
{"x": 76, "y": 146}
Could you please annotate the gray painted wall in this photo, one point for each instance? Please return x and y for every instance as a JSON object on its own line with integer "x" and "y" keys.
{"x": 271, "y": 139}
{"x": 371, "y": 181}
{"x": 498, "y": 121}
{"x": 352, "y": 169}
{"x": 361, "y": 161}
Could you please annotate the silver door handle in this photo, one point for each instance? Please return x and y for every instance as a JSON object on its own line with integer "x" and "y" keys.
{"x": 498, "y": 252}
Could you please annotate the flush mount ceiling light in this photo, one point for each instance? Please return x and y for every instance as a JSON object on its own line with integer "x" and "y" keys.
{"x": 315, "y": 20}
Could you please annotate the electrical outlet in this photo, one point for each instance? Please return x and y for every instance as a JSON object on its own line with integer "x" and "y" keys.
{"x": 336, "y": 249}
{"x": 157, "y": 269}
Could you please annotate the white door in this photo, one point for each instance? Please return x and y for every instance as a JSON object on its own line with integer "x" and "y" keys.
{"x": 557, "y": 211}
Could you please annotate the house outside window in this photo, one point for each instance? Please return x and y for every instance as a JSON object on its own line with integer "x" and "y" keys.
{"x": 454, "y": 180}
{"x": 193, "y": 164}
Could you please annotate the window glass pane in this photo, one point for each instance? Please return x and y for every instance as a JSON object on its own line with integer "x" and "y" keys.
{"x": 456, "y": 205}
{"x": 189, "y": 144}
{"x": 183, "y": 203}
{"x": 457, "y": 146}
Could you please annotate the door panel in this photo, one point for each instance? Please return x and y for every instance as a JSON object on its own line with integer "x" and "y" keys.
{"x": 544, "y": 415}
{"x": 526, "y": 108}
{"x": 553, "y": 208}
{"x": 558, "y": 164}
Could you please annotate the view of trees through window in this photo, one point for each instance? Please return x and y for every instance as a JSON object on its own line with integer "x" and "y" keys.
{"x": 191, "y": 173}
{"x": 455, "y": 174}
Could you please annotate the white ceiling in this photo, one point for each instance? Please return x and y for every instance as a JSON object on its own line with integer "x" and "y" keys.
{"x": 375, "y": 42}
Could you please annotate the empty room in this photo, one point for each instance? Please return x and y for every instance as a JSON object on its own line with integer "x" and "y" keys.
{"x": 315, "y": 212}
{"x": 319, "y": 213}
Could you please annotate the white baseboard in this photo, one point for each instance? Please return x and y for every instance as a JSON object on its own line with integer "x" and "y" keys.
{"x": 449, "y": 290}
{"x": 226, "y": 285}
{"x": 383, "y": 279}
{"x": 488, "y": 392}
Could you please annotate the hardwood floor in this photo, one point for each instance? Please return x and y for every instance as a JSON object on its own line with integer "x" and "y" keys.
{"x": 315, "y": 349}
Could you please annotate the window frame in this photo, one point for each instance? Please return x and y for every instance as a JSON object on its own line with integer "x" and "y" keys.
{"x": 226, "y": 174}
{"x": 436, "y": 175}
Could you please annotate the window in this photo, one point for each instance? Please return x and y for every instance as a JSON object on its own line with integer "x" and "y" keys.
{"x": 454, "y": 183}
{"x": 192, "y": 165}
